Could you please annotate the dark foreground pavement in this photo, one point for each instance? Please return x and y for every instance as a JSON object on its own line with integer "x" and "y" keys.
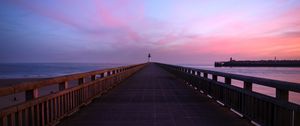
{"x": 153, "y": 97}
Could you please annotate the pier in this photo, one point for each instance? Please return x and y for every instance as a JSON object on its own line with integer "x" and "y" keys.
{"x": 152, "y": 94}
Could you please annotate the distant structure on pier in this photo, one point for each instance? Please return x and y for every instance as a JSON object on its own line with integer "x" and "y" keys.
{"x": 149, "y": 57}
{"x": 258, "y": 63}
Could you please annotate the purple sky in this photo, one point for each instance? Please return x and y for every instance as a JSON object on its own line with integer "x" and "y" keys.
{"x": 125, "y": 31}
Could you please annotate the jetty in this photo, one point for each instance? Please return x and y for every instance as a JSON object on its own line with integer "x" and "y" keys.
{"x": 259, "y": 63}
{"x": 151, "y": 94}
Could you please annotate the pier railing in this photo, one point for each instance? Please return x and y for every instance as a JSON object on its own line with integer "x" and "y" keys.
{"x": 49, "y": 109}
{"x": 256, "y": 107}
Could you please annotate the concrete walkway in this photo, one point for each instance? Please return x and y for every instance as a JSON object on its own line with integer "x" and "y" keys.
{"x": 153, "y": 97}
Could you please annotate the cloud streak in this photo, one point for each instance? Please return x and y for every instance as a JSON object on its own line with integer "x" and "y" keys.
{"x": 129, "y": 29}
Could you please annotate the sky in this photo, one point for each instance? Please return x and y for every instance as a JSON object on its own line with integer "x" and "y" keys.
{"x": 125, "y": 31}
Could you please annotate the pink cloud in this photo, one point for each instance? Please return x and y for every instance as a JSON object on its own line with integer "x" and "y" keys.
{"x": 216, "y": 48}
{"x": 109, "y": 19}
{"x": 123, "y": 24}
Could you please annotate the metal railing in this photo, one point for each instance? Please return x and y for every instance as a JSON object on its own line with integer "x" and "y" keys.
{"x": 51, "y": 108}
{"x": 256, "y": 107}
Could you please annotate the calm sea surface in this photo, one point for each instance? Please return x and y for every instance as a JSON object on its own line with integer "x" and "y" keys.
{"x": 290, "y": 74}
{"x": 42, "y": 70}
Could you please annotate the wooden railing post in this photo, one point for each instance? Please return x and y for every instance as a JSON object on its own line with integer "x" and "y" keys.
{"x": 93, "y": 77}
{"x": 215, "y": 77}
{"x": 248, "y": 86}
{"x": 80, "y": 81}
{"x": 198, "y": 73}
{"x": 62, "y": 86}
{"x": 205, "y": 75}
{"x": 282, "y": 94}
{"x": 227, "y": 80}
{"x": 31, "y": 94}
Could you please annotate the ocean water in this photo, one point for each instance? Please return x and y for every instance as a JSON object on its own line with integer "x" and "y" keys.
{"x": 290, "y": 74}
{"x": 44, "y": 70}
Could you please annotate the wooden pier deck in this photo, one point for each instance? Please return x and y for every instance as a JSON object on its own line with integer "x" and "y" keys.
{"x": 153, "y": 97}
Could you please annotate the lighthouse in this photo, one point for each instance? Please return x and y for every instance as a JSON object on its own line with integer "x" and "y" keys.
{"x": 149, "y": 57}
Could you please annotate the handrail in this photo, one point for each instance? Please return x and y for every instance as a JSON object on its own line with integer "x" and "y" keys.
{"x": 257, "y": 107}
{"x": 51, "y": 108}
{"x": 291, "y": 86}
{"x": 21, "y": 87}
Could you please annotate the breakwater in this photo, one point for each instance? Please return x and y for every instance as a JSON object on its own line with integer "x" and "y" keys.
{"x": 260, "y": 63}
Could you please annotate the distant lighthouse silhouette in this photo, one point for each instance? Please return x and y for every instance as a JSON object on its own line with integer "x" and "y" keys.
{"x": 149, "y": 57}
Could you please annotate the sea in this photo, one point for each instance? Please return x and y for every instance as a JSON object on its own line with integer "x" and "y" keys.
{"x": 45, "y": 70}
